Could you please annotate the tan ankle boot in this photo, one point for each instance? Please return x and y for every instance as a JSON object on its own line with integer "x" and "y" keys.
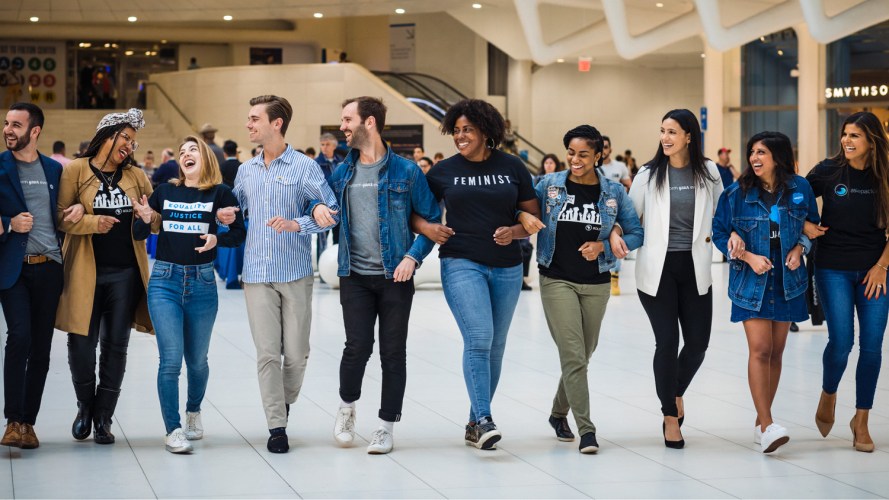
{"x": 861, "y": 439}
{"x": 824, "y": 415}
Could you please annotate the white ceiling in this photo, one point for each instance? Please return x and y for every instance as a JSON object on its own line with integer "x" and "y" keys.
{"x": 539, "y": 30}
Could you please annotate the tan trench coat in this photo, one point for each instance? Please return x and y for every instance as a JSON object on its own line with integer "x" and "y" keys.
{"x": 80, "y": 185}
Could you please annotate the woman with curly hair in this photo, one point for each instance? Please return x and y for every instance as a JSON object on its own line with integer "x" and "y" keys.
{"x": 106, "y": 269}
{"x": 481, "y": 264}
{"x": 851, "y": 263}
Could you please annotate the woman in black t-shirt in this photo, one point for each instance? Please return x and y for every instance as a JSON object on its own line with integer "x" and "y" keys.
{"x": 851, "y": 263}
{"x": 481, "y": 264}
{"x": 585, "y": 215}
{"x": 182, "y": 296}
{"x": 106, "y": 269}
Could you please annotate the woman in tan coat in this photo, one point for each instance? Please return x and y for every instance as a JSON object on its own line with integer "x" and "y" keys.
{"x": 106, "y": 269}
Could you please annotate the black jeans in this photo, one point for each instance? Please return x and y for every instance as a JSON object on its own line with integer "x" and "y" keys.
{"x": 29, "y": 307}
{"x": 364, "y": 298}
{"x": 118, "y": 292}
{"x": 678, "y": 304}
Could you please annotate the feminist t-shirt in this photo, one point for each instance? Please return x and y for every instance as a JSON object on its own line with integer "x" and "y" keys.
{"x": 579, "y": 222}
{"x": 479, "y": 198}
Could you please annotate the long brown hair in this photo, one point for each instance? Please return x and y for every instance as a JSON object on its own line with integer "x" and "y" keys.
{"x": 878, "y": 159}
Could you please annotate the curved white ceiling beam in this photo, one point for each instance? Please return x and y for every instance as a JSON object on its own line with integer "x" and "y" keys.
{"x": 830, "y": 29}
{"x": 631, "y": 47}
{"x": 773, "y": 19}
{"x": 544, "y": 53}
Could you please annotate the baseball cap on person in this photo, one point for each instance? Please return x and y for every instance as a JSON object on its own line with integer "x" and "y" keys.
{"x": 724, "y": 150}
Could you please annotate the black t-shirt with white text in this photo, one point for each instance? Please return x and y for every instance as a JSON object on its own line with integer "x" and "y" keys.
{"x": 579, "y": 222}
{"x": 771, "y": 201}
{"x": 114, "y": 248}
{"x": 479, "y": 198}
{"x": 186, "y": 214}
{"x": 853, "y": 240}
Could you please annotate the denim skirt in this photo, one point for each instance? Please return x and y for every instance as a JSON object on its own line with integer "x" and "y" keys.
{"x": 774, "y": 306}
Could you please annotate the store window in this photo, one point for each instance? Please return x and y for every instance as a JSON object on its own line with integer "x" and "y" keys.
{"x": 857, "y": 79}
{"x": 769, "y": 91}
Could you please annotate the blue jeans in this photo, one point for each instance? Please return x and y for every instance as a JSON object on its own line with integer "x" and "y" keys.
{"x": 841, "y": 295}
{"x": 482, "y": 300}
{"x": 182, "y": 301}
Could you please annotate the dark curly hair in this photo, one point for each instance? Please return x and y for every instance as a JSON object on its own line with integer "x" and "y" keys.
{"x": 591, "y": 135}
{"x": 480, "y": 113}
{"x": 102, "y": 135}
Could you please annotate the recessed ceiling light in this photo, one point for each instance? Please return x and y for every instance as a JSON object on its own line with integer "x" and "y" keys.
{"x": 129, "y": 52}
{"x": 762, "y": 39}
{"x": 399, "y": 11}
{"x": 226, "y": 18}
{"x": 318, "y": 15}
{"x": 560, "y": 60}
{"x": 147, "y": 52}
{"x": 780, "y": 52}
{"x": 107, "y": 45}
{"x": 34, "y": 19}
{"x": 659, "y": 4}
{"x": 132, "y": 19}
{"x": 163, "y": 41}
{"x": 476, "y": 6}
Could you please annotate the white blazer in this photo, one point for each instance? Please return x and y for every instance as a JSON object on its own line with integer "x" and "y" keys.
{"x": 653, "y": 207}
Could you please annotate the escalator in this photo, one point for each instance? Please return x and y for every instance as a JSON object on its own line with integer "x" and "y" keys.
{"x": 435, "y": 96}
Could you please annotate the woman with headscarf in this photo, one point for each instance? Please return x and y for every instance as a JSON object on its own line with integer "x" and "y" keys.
{"x": 106, "y": 269}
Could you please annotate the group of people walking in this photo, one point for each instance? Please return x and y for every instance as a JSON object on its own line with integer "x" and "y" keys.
{"x": 95, "y": 282}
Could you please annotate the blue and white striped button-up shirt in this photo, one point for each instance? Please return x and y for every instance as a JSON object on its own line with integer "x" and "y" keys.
{"x": 283, "y": 189}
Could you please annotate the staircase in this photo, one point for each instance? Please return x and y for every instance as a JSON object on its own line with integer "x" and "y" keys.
{"x": 72, "y": 126}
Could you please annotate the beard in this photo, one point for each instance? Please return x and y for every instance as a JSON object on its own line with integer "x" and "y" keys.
{"x": 21, "y": 141}
{"x": 359, "y": 137}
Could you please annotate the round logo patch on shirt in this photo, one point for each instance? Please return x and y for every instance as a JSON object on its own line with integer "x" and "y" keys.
{"x": 797, "y": 198}
{"x": 552, "y": 192}
{"x": 841, "y": 190}
{"x": 611, "y": 203}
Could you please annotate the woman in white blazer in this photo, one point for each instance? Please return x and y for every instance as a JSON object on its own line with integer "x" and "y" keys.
{"x": 675, "y": 196}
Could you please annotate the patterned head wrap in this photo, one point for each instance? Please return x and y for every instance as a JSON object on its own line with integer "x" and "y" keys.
{"x": 133, "y": 118}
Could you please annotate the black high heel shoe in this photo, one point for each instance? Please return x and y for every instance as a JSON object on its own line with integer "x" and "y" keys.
{"x": 676, "y": 445}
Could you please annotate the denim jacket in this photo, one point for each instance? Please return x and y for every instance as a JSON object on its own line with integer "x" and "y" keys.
{"x": 614, "y": 206}
{"x": 747, "y": 215}
{"x": 402, "y": 191}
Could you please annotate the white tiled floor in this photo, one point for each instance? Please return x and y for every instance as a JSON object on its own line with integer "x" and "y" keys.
{"x": 430, "y": 460}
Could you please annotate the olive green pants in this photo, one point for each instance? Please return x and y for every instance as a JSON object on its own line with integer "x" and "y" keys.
{"x": 574, "y": 314}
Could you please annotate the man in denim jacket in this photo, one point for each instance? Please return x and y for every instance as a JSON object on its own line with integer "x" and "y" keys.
{"x": 377, "y": 191}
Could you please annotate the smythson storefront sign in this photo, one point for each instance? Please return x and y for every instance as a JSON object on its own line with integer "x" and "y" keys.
{"x": 857, "y": 91}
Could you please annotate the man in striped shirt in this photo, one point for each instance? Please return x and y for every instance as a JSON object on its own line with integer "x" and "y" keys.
{"x": 274, "y": 187}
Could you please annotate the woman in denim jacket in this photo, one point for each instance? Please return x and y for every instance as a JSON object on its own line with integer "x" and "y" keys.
{"x": 589, "y": 221}
{"x": 759, "y": 223}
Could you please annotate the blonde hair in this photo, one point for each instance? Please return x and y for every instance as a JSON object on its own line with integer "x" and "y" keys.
{"x": 210, "y": 174}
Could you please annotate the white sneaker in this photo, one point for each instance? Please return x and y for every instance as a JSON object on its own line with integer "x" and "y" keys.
{"x": 757, "y": 434}
{"x": 381, "y": 443}
{"x": 177, "y": 442}
{"x": 194, "y": 429}
{"x": 773, "y": 437}
{"x": 344, "y": 428}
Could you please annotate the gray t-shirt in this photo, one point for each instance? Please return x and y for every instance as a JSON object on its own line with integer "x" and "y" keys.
{"x": 364, "y": 219}
{"x": 682, "y": 209}
{"x": 42, "y": 238}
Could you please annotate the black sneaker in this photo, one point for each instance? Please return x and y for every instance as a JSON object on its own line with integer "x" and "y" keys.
{"x": 278, "y": 442}
{"x": 471, "y": 436}
{"x": 560, "y": 425}
{"x": 588, "y": 443}
{"x": 487, "y": 433}
{"x": 794, "y": 327}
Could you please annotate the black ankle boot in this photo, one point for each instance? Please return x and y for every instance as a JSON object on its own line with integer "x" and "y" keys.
{"x": 103, "y": 433}
{"x": 83, "y": 422}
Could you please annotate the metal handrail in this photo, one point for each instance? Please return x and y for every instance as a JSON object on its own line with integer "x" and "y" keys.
{"x": 173, "y": 104}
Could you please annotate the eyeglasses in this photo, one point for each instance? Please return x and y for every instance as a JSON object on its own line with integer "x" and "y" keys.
{"x": 133, "y": 144}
